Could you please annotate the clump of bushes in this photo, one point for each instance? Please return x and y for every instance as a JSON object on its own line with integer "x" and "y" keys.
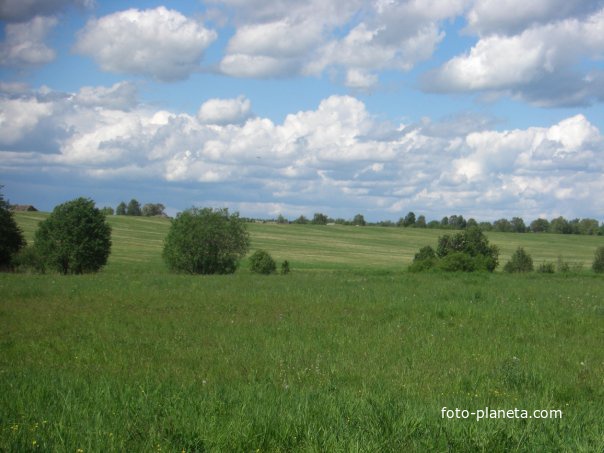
{"x": 598, "y": 264}
{"x": 520, "y": 262}
{"x": 546, "y": 268}
{"x": 261, "y": 262}
{"x": 206, "y": 241}
{"x": 466, "y": 251}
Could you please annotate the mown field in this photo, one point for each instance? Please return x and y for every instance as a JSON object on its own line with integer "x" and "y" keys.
{"x": 347, "y": 353}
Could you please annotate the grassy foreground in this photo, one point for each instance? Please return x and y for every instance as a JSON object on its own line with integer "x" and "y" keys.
{"x": 347, "y": 353}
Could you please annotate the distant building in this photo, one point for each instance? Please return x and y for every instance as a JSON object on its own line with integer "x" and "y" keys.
{"x": 23, "y": 208}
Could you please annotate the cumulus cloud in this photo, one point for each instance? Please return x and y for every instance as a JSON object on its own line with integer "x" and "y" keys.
{"x": 121, "y": 96}
{"x": 24, "y": 44}
{"x": 541, "y": 64}
{"x": 225, "y": 111}
{"x": 326, "y": 157}
{"x": 305, "y": 38}
{"x": 159, "y": 43}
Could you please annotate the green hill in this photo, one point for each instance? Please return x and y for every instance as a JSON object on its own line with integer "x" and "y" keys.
{"x": 140, "y": 240}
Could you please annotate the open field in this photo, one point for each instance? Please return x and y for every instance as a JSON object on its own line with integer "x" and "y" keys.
{"x": 347, "y": 353}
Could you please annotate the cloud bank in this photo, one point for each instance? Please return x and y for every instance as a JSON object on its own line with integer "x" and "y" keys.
{"x": 338, "y": 156}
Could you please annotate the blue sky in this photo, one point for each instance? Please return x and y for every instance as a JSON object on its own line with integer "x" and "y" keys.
{"x": 482, "y": 108}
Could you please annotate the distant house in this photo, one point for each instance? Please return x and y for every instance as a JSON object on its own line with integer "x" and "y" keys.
{"x": 23, "y": 208}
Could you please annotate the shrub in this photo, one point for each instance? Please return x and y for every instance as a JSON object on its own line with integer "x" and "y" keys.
{"x": 29, "y": 260}
{"x": 11, "y": 236}
{"x": 520, "y": 262}
{"x": 75, "y": 238}
{"x": 546, "y": 268}
{"x": 472, "y": 242}
{"x": 598, "y": 264}
{"x": 205, "y": 241}
{"x": 423, "y": 260}
{"x": 285, "y": 268}
{"x": 261, "y": 262}
{"x": 458, "y": 262}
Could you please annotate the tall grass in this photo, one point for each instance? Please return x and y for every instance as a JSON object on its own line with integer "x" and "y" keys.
{"x": 337, "y": 356}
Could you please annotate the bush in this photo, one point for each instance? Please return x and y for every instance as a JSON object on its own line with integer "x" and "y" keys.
{"x": 598, "y": 264}
{"x": 285, "y": 268}
{"x": 261, "y": 262}
{"x": 29, "y": 260}
{"x": 546, "y": 268}
{"x": 423, "y": 260}
{"x": 520, "y": 262}
{"x": 458, "y": 262}
{"x": 472, "y": 242}
{"x": 75, "y": 238}
{"x": 206, "y": 241}
{"x": 11, "y": 236}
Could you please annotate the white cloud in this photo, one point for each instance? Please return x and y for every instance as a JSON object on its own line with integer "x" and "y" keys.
{"x": 121, "y": 96}
{"x": 323, "y": 157}
{"x": 540, "y": 64}
{"x": 24, "y": 44}
{"x": 225, "y": 111}
{"x": 159, "y": 43}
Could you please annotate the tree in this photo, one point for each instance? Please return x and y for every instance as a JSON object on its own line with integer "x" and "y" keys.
{"x": 518, "y": 225}
{"x": 107, "y": 210}
{"x": 409, "y": 219}
{"x": 121, "y": 209}
{"x": 560, "y": 225}
{"x": 281, "y": 220}
{"x": 319, "y": 219}
{"x": 206, "y": 241}
{"x": 359, "y": 220}
{"x": 421, "y": 222}
{"x": 75, "y": 238}
{"x": 11, "y": 236}
{"x": 457, "y": 222}
{"x": 598, "y": 264}
{"x": 588, "y": 226}
{"x": 503, "y": 226}
{"x": 261, "y": 262}
{"x": 301, "y": 220}
{"x": 153, "y": 209}
{"x": 473, "y": 243}
{"x": 520, "y": 262}
{"x": 539, "y": 226}
{"x": 134, "y": 208}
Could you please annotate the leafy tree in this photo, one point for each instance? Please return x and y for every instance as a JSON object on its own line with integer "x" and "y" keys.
{"x": 153, "y": 209}
{"x": 588, "y": 226}
{"x": 539, "y": 226}
{"x": 301, "y": 220}
{"x": 75, "y": 238}
{"x": 598, "y": 264}
{"x": 518, "y": 225}
{"x": 472, "y": 242}
{"x": 134, "y": 208}
{"x": 421, "y": 222}
{"x": 206, "y": 241}
{"x": 503, "y": 226}
{"x": 261, "y": 262}
{"x": 560, "y": 225}
{"x": 107, "y": 210}
{"x": 359, "y": 220}
{"x": 319, "y": 219}
{"x": 409, "y": 219}
{"x": 11, "y": 236}
{"x": 457, "y": 222}
{"x": 281, "y": 220}
{"x": 485, "y": 226}
{"x": 121, "y": 209}
{"x": 471, "y": 223}
{"x": 520, "y": 262}
{"x": 444, "y": 223}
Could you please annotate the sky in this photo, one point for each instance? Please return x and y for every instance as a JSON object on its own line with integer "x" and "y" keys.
{"x": 484, "y": 108}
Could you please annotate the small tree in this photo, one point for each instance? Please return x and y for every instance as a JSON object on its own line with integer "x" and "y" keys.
{"x": 153, "y": 209}
{"x": 134, "y": 208}
{"x": 359, "y": 220}
{"x": 520, "y": 262}
{"x": 285, "y": 267}
{"x": 121, "y": 209}
{"x": 409, "y": 219}
{"x": 107, "y": 210}
{"x": 75, "y": 238}
{"x": 11, "y": 236}
{"x": 319, "y": 219}
{"x": 206, "y": 241}
{"x": 261, "y": 262}
{"x": 598, "y": 264}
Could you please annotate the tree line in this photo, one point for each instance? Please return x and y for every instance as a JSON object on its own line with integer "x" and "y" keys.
{"x": 134, "y": 208}
{"x": 559, "y": 225}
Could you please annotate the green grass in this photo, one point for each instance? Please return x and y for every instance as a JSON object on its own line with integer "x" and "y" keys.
{"x": 347, "y": 353}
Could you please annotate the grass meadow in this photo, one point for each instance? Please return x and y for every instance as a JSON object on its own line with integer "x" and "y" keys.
{"x": 347, "y": 353}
